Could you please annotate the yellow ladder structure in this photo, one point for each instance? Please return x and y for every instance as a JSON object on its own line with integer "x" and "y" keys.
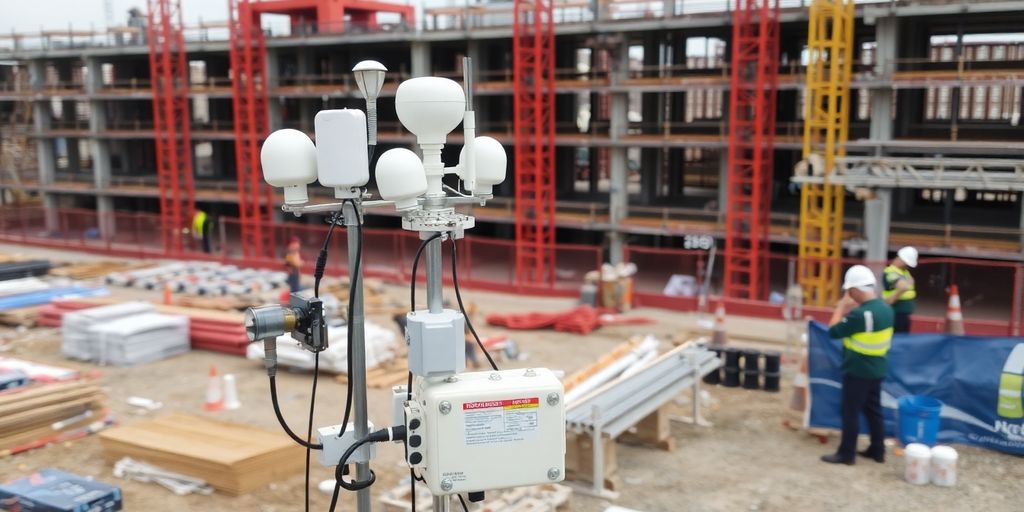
{"x": 826, "y": 116}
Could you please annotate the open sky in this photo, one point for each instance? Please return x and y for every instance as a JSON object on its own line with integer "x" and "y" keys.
{"x": 84, "y": 14}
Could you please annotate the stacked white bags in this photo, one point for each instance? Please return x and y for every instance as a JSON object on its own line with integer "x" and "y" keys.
{"x": 123, "y": 334}
{"x": 141, "y": 339}
{"x": 381, "y": 347}
{"x": 78, "y": 342}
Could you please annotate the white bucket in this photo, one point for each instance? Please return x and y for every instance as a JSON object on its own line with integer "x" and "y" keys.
{"x": 918, "y": 464}
{"x": 944, "y": 466}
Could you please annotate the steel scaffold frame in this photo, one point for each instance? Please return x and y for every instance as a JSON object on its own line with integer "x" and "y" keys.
{"x": 826, "y": 116}
{"x": 170, "y": 82}
{"x": 755, "y": 54}
{"x": 533, "y": 44}
{"x": 251, "y": 122}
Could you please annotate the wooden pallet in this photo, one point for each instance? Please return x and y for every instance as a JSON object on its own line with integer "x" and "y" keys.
{"x": 20, "y": 317}
{"x": 95, "y": 269}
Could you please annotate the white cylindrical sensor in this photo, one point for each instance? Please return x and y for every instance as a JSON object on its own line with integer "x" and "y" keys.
{"x": 288, "y": 158}
{"x": 401, "y": 178}
{"x": 491, "y": 164}
{"x": 430, "y": 107}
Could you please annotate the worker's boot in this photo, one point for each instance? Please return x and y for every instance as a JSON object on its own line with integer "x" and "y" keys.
{"x": 878, "y": 457}
{"x": 835, "y": 458}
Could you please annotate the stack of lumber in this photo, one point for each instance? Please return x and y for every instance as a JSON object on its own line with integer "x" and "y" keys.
{"x": 20, "y": 317}
{"x": 220, "y": 331}
{"x": 233, "y": 458}
{"x": 26, "y": 268}
{"x": 95, "y": 269}
{"x": 376, "y": 300}
{"x": 31, "y": 415}
{"x": 78, "y": 342}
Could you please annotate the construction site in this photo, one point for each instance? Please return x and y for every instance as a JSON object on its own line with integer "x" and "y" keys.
{"x": 518, "y": 255}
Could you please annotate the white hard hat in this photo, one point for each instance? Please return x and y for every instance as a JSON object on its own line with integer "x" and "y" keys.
{"x": 859, "y": 276}
{"x": 909, "y": 256}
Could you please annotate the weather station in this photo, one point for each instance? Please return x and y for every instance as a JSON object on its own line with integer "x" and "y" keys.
{"x": 464, "y": 432}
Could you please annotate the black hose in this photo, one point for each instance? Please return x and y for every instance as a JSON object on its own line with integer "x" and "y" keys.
{"x": 284, "y": 425}
{"x": 458, "y": 297}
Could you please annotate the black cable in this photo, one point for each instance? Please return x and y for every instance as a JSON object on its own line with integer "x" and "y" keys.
{"x": 458, "y": 297}
{"x": 352, "y": 282}
{"x": 318, "y": 275}
{"x": 408, "y": 387}
{"x": 309, "y": 431}
{"x": 464, "y": 507}
{"x": 321, "y": 259}
{"x": 284, "y": 425}
{"x": 397, "y": 433}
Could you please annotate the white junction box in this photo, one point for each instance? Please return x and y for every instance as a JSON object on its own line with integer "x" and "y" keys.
{"x": 488, "y": 430}
{"x": 334, "y": 447}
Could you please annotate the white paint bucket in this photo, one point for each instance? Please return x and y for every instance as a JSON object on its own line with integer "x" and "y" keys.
{"x": 918, "y": 464}
{"x": 944, "y": 466}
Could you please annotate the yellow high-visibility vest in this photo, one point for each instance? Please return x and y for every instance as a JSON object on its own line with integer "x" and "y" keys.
{"x": 198, "y": 221}
{"x": 909, "y": 294}
{"x": 875, "y": 343}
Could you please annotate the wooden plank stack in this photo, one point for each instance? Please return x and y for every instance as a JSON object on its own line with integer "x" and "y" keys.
{"x": 29, "y": 413}
{"x": 233, "y": 458}
{"x": 95, "y": 269}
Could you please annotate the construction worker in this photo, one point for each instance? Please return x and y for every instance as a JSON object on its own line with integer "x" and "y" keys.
{"x": 898, "y": 287}
{"x": 293, "y": 264}
{"x": 201, "y": 229}
{"x": 865, "y": 324}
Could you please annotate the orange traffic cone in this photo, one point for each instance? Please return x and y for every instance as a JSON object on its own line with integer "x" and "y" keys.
{"x": 718, "y": 332}
{"x": 214, "y": 392}
{"x": 954, "y": 317}
{"x": 167, "y": 294}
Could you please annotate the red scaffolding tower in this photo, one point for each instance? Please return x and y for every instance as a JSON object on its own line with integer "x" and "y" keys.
{"x": 249, "y": 101}
{"x": 533, "y": 49}
{"x": 170, "y": 80}
{"x": 755, "y": 53}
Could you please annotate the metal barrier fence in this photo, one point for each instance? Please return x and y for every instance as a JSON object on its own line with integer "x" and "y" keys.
{"x": 990, "y": 291}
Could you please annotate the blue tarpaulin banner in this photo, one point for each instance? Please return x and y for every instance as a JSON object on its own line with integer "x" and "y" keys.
{"x": 980, "y": 381}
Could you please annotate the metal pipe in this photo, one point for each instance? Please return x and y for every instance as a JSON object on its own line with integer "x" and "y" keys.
{"x": 435, "y": 300}
{"x": 442, "y": 504}
{"x": 357, "y": 324}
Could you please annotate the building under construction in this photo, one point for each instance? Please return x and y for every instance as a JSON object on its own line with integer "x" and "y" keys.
{"x": 799, "y": 134}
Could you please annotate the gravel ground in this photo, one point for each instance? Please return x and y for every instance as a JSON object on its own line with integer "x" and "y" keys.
{"x": 746, "y": 461}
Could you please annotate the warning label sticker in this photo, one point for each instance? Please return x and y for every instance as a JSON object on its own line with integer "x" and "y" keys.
{"x": 501, "y": 421}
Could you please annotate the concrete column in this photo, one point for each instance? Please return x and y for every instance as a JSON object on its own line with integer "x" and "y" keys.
{"x": 618, "y": 193}
{"x": 74, "y": 155}
{"x": 669, "y": 8}
{"x": 881, "y": 97}
{"x": 420, "y": 58}
{"x": 275, "y": 105}
{"x": 42, "y": 115}
{"x": 877, "y": 216}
